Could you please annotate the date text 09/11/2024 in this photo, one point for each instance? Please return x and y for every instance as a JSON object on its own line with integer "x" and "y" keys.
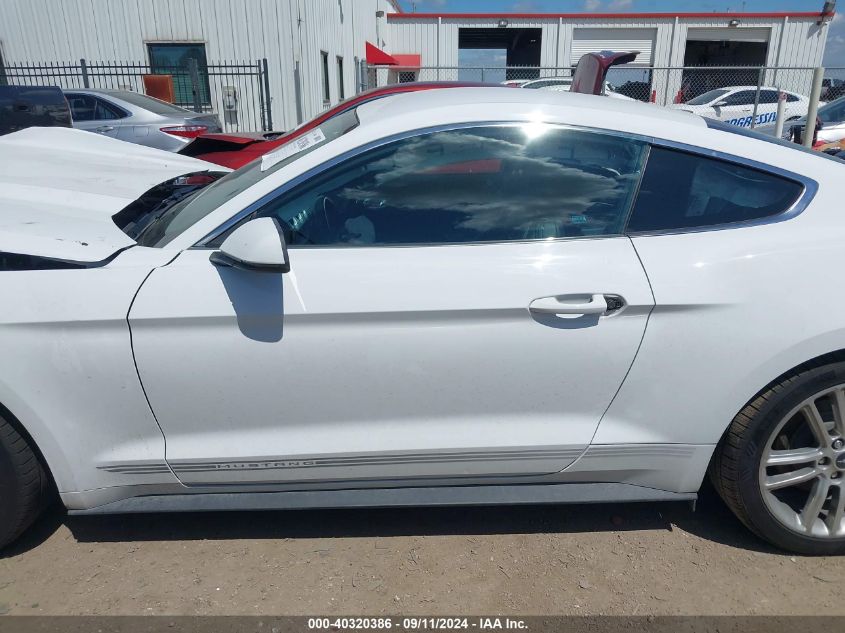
{"x": 417, "y": 623}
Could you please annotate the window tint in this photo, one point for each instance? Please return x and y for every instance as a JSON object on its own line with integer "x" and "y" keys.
{"x": 707, "y": 97}
{"x": 768, "y": 96}
{"x": 106, "y": 111}
{"x": 468, "y": 185}
{"x": 833, "y": 112}
{"x": 681, "y": 190}
{"x": 187, "y": 212}
{"x": 88, "y": 108}
{"x": 790, "y": 98}
{"x": 82, "y": 107}
{"x": 743, "y": 97}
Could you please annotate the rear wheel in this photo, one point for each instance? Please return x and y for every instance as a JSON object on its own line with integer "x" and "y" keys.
{"x": 781, "y": 465}
{"x": 24, "y": 484}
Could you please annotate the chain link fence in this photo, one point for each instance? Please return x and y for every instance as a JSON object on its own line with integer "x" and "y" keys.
{"x": 238, "y": 92}
{"x": 742, "y": 95}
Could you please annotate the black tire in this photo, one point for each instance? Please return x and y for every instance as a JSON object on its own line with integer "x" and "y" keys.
{"x": 734, "y": 469}
{"x": 24, "y": 485}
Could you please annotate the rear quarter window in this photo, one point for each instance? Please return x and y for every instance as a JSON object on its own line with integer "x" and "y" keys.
{"x": 681, "y": 190}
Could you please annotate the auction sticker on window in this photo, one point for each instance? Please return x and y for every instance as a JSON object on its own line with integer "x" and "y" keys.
{"x": 300, "y": 144}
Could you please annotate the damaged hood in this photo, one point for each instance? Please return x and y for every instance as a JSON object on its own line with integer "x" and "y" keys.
{"x": 60, "y": 187}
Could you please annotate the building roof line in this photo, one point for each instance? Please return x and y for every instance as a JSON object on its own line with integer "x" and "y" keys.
{"x": 591, "y": 16}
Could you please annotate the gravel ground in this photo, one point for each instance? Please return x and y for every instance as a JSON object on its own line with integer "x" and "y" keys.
{"x": 587, "y": 559}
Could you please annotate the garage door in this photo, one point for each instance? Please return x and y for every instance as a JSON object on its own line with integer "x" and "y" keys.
{"x": 723, "y": 34}
{"x": 594, "y": 40}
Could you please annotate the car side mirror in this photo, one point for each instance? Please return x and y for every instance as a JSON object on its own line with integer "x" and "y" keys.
{"x": 257, "y": 245}
{"x": 720, "y": 104}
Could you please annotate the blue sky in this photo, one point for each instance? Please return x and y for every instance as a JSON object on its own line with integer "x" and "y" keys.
{"x": 834, "y": 52}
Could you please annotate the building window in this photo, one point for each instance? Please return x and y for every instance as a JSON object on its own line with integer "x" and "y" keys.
{"x": 340, "y": 92}
{"x": 407, "y": 76}
{"x": 326, "y": 95}
{"x": 172, "y": 59}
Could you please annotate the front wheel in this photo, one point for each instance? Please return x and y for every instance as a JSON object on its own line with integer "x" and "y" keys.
{"x": 24, "y": 484}
{"x": 781, "y": 465}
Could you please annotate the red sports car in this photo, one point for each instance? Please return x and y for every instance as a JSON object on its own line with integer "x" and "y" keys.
{"x": 236, "y": 150}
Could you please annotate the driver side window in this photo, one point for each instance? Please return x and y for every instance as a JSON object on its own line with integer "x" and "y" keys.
{"x": 479, "y": 184}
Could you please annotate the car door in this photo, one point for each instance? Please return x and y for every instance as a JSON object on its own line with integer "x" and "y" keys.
{"x": 460, "y": 304}
{"x": 93, "y": 114}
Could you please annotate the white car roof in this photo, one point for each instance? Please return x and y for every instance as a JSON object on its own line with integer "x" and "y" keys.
{"x": 440, "y": 107}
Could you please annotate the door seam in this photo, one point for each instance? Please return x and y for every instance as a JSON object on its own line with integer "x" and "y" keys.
{"x": 633, "y": 360}
{"x": 138, "y": 371}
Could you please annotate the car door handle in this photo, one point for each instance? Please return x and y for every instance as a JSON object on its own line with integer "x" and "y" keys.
{"x": 104, "y": 128}
{"x": 559, "y": 305}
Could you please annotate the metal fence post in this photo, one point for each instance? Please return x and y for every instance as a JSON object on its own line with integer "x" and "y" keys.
{"x": 268, "y": 101}
{"x": 760, "y": 75}
{"x": 813, "y": 112}
{"x": 780, "y": 111}
{"x": 194, "y": 73}
{"x": 83, "y": 66}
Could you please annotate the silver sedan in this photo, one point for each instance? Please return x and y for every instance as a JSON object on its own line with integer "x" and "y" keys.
{"x": 137, "y": 118}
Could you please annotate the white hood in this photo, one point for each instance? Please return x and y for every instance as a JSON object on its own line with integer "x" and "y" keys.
{"x": 60, "y": 187}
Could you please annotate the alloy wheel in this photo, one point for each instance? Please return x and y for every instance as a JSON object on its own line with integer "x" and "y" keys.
{"x": 802, "y": 469}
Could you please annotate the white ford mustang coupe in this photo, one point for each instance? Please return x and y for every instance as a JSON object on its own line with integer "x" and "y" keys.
{"x": 466, "y": 296}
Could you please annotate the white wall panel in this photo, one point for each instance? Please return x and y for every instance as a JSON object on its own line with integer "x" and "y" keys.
{"x": 290, "y": 31}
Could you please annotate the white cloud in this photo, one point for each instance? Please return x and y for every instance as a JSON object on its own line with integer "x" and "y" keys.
{"x": 834, "y": 52}
{"x": 430, "y": 5}
{"x": 594, "y": 6}
{"x": 525, "y": 6}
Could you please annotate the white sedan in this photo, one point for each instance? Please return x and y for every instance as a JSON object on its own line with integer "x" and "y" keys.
{"x": 466, "y": 296}
{"x": 735, "y": 105}
{"x": 563, "y": 84}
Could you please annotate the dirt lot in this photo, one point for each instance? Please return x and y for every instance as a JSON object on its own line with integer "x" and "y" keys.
{"x": 600, "y": 559}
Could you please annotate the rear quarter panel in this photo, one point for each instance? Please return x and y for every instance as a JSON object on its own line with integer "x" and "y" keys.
{"x": 735, "y": 309}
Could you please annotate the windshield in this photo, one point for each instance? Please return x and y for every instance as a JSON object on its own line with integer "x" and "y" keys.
{"x": 707, "y": 97}
{"x": 187, "y": 212}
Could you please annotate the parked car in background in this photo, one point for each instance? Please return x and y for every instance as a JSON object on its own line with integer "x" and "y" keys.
{"x": 638, "y": 90}
{"x": 515, "y": 83}
{"x": 236, "y": 150}
{"x": 137, "y": 118}
{"x": 32, "y": 106}
{"x": 832, "y": 88}
{"x": 830, "y": 124}
{"x": 735, "y": 105}
{"x": 563, "y": 84}
{"x": 468, "y": 296}
{"x": 833, "y": 92}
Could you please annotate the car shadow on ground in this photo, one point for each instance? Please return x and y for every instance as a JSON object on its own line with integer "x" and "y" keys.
{"x": 711, "y": 520}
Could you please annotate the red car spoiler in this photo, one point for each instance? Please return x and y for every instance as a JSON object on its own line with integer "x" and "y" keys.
{"x": 592, "y": 69}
